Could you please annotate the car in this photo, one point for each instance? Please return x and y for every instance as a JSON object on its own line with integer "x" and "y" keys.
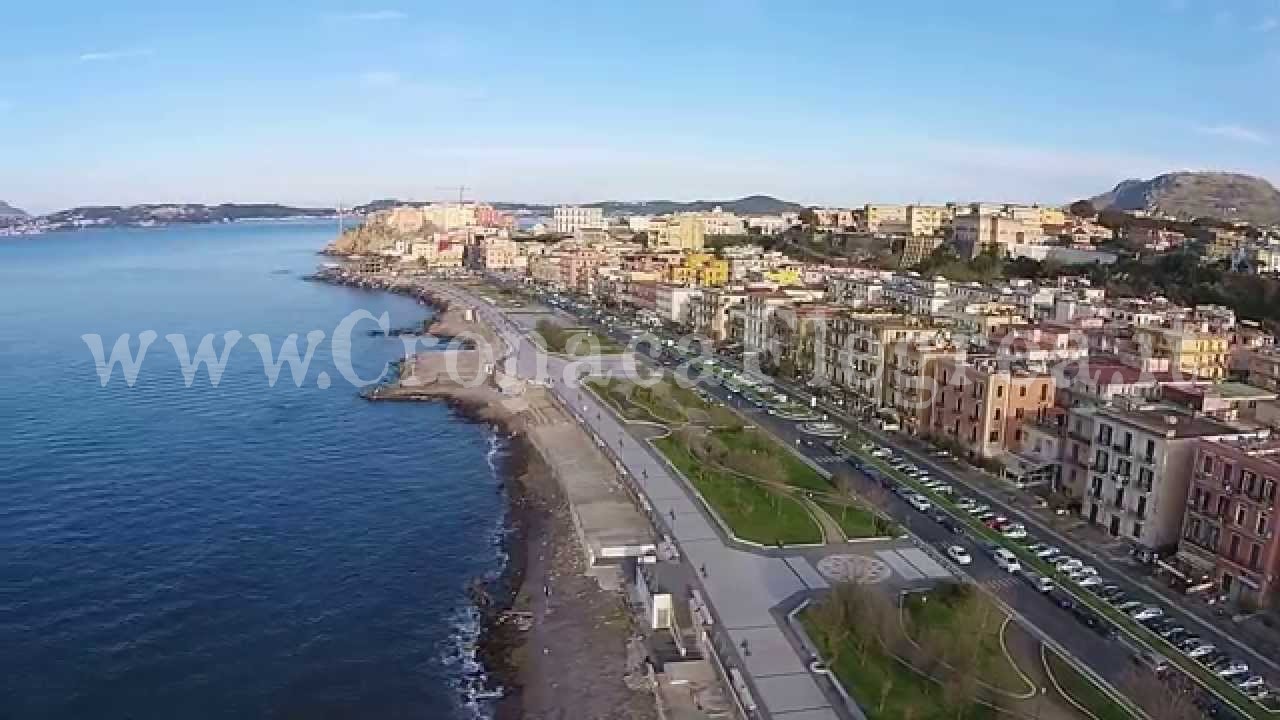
{"x": 1038, "y": 581}
{"x": 1171, "y": 630}
{"x": 985, "y": 516}
{"x": 1200, "y": 651}
{"x": 966, "y": 503}
{"x": 1189, "y": 642}
{"x": 1089, "y": 570}
{"x": 919, "y": 502}
{"x": 1048, "y": 552}
{"x": 959, "y": 555}
{"x": 1177, "y": 635}
{"x": 1152, "y": 661}
{"x": 1128, "y": 606}
{"x": 1118, "y": 599}
{"x": 1234, "y": 669}
{"x": 1251, "y": 682}
{"x": 1261, "y": 693}
{"x": 1150, "y": 612}
{"x": 1090, "y": 581}
{"x": 980, "y": 510}
{"x": 1014, "y": 531}
{"x": 1006, "y": 560}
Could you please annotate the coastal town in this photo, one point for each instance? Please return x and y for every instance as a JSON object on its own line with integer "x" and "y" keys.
{"x": 956, "y": 421}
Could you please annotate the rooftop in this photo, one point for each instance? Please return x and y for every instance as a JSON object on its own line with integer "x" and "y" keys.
{"x": 1169, "y": 421}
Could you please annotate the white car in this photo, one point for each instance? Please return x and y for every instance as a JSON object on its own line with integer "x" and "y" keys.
{"x": 1090, "y": 581}
{"x": 1150, "y": 612}
{"x": 919, "y": 502}
{"x": 1234, "y": 669}
{"x": 1006, "y": 560}
{"x": 979, "y": 509}
{"x": 966, "y": 503}
{"x": 1015, "y": 532}
{"x": 1250, "y": 683}
{"x": 1048, "y": 552}
{"x": 959, "y": 554}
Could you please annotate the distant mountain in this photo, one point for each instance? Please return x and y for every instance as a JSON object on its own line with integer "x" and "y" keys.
{"x": 751, "y": 205}
{"x": 9, "y": 211}
{"x": 1189, "y": 195}
{"x": 112, "y": 215}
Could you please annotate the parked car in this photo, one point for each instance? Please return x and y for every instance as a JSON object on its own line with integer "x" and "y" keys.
{"x": 1090, "y": 581}
{"x": 1251, "y": 682}
{"x": 1233, "y": 669}
{"x": 1150, "y": 612}
{"x": 1152, "y": 661}
{"x": 1200, "y": 651}
{"x": 1014, "y": 531}
{"x": 959, "y": 555}
{"x": 1039, "y": 582}
{"x": 919, "y": 502}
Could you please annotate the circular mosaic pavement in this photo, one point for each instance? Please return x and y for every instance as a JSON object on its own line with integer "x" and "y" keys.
{"x": 854, "y": 568}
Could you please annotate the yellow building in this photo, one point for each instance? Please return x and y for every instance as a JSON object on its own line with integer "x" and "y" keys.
{"x": 783, "y": 276}
{"x": 1197, "y": 354}
{"x": 927, "y": 219}
{"x": 685, "y": 231}
{"x": 702, "y": 269}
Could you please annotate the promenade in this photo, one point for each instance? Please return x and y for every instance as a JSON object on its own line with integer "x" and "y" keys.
{"x": 747, "y": 589}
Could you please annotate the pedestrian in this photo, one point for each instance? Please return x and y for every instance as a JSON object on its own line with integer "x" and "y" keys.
{"x": 546, "y": 590}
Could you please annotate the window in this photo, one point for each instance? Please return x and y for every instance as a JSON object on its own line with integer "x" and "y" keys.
{"x": 1240, "y": 515}
{"x": 999, "y": 391}
{"x": 1263, "y": 524}
{"x": 1151, "y": 450}
{"x": 1206, "y": 465}
{"x": 1255, "y": 554}
{"x": 998, "y": 415}
{"x": 1022, "y": 391}
{"x": 1137, "y": 530}
{"x": 1142, "y": 507}
{"x": 1017, "y": 413}
{"x": 1235, "y": 547}
{"x": 995, "y": 436}
{"x": 1044, "y": 393}
{"x": 1228, "y": 470}
{"x": 1223, "y": 505}
{"x": 1249, "y": 480}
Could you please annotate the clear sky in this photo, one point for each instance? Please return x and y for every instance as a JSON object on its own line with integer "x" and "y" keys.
{"x": 819, "y": 101}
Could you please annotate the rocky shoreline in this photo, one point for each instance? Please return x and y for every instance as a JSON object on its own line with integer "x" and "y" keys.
{"x": 524, "y": 669}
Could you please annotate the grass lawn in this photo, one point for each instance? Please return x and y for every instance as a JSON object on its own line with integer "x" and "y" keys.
{"x": 751, "y": 512}
{"x": 670, "y": 403}
{"x": 797, "y": 472}
{"x": 1126, "y": 624}
{"x": 855, "y": 520}
{"x": 936, "y": 610}
{"x": 885, "y": 688}
{"x": 1084, "y": 691}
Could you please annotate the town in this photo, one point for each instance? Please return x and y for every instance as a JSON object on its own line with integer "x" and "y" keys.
{"x": 1115, "y": 451}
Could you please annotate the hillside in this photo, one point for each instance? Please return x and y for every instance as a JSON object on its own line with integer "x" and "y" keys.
{"x": 112, "y": 215}
{"x": 1189, "y": 195}
{"x": 9, "y": 211}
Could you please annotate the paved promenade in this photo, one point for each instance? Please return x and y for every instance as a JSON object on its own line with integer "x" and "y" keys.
{"x": 746, "y": 588}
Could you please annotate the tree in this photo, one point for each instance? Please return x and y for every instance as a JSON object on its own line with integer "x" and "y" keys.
{"x": 1083, "y": 209}
{"x": 1165, "y": 700}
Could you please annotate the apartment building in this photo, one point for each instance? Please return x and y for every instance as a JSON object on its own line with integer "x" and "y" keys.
{"x": 792, "y": 344}
{"x": 1140, "y": 459}
{"x": 1190, "y": 353}
{"x": 976, "y": 232}
{"x": 983, "y": 405}
{"x": 1264, "y": 368}
{"x": 834, "y": 217}
{"x": 912, "y": 391}
{"x": 567, "y": 219}
{"x": 917, "y": 295}
{"x": 886, "y": 219}
{"x": 709, "y": 313}
{"x": 490, "y": 253}
{"x": 856, "y": 291}
{"x": 701, "y": 269}
{"x": 760, "y": 306}
{"x": 672, "y": 303}
{"x": 1228, "y": 534}
{"x": 437, "y": 252}
{"x": 857, "y": 347}
{"x": 927, "y": 220}
{"x": 684, "y": 231}
{"x": 719, "y": 222}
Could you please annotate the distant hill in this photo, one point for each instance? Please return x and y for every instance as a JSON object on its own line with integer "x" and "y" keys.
{"x": 110, "y": 215}
{"x": 9, "y": 211}
{"x": 1189, "y": 195}
{"x": 750, "y": 205}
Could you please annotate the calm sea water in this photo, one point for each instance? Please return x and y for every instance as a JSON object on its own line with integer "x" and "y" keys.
{"x": 238, "y": 551}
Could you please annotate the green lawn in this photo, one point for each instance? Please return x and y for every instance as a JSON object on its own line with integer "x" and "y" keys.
{"x": 855, "y": 520}
{"x": 751, "y": 512}
{"x": 1084, "y": 691}
{"x": 885, "y": 688}
{"x": 940, "y": 610}
{"x": 1124, "y": 622}
{"x": 798, "y": 473}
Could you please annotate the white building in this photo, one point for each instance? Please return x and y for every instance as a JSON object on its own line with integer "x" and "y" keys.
{"x": 568, "y": 218}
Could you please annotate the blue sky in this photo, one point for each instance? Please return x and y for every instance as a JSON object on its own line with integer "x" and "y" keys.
{"x": 839, "y": 102}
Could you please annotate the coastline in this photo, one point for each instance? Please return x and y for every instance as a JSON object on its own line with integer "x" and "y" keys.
{"x": 543, "y": 583}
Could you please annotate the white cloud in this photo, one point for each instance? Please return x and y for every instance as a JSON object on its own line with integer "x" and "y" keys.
{"x": 112, "y": 55}
{"x": 380, "y": 79}
{"x": 371, "y": 16}
{"x": 1235, "y": 132}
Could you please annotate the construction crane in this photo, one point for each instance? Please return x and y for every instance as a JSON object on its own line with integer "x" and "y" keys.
{"x": 462, "y": 190}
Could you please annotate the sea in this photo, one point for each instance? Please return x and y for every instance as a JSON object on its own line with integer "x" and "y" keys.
{"x": 180, "y": 548}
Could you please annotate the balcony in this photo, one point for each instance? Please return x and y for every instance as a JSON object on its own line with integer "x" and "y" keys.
{"x": 1122, "y": 449}
{"x": 1199, "y": 550}
{"x": 1121, "y": 480}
